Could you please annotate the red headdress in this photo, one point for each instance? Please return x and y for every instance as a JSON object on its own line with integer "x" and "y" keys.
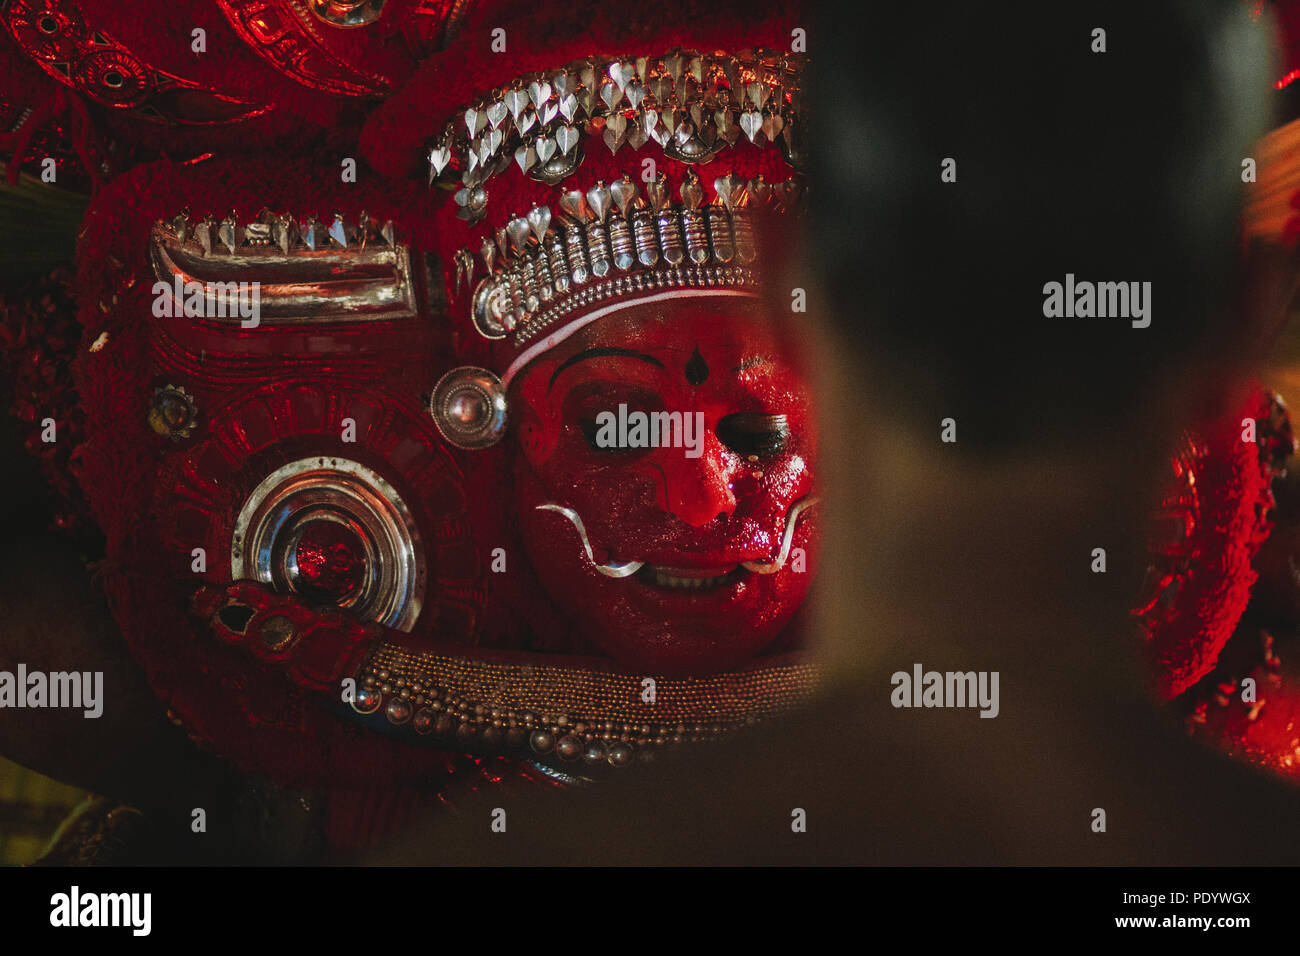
{"x": 619, "y": 162}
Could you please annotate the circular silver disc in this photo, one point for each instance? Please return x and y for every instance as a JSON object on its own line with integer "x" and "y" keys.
{"x": 354, "y": 501}
{"x": 469, "y": 407}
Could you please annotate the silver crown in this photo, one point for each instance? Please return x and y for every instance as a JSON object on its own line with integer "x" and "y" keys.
{"x": 693, "y": 105}
{"x": 611, "y": 242}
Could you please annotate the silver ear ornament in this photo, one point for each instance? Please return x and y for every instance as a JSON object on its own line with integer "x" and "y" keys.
{"x": 469, "y": 407}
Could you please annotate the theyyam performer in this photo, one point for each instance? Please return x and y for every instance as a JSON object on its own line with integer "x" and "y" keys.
{"x": 511, "y": 477}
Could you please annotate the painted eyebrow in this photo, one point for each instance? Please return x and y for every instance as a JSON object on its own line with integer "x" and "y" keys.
{"x": 600, "y": 352}
{"x": 751, "y": 362}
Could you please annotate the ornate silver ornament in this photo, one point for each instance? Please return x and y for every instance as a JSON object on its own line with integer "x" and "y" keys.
{"x": 555, "y": 163}
{"x": 464, "y": 268}
{"x": 306, "y": 272}
{"x": 439, "y": 158}
{"x": 472, "y": 201}
{"x": 398, "y": 711}
{"x": 172, "y": 412}
{"x": 297, "y": 499}
{"x": 492, "y": 308}
{"x": 367, "y": 700}
{"x": 693, "y": 105}
{"x": 347, "y": 13}
{"x": 616, "y": 240}
{"x": 469, "y": 407}
{"x": 688, "y": 146}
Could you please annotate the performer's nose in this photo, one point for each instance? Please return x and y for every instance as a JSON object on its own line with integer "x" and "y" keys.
{"x": 697, "y": 490}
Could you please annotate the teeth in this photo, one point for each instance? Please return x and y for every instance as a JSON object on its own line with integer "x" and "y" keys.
{"x": 663, "y": 578}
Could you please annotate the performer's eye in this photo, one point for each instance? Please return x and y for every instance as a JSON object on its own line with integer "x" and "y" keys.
{"x": 591, "y": 431}
{"x": 607, "y": 416}
{"x": 750, "y": 433}
{"x": 602, "y": 437}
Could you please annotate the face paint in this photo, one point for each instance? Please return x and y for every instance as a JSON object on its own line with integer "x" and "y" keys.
{"x": 705, "y": 525}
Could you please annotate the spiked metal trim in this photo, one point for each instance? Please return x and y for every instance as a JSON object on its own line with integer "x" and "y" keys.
{"x": 269, "y": 232}
{"x": 611, "y": 242}
{"x": 693, "y": 105}
{"x": 341, "y": 270}
{"x": 698, "y": 278}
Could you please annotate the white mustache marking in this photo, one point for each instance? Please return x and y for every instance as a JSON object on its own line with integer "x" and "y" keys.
{"x": 771, "y": 567}
{"x": 609, "y": 570}
{"x": 628, "y": 568}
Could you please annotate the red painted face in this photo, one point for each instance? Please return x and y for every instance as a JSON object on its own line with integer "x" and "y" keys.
{"x": 693, "y": 515}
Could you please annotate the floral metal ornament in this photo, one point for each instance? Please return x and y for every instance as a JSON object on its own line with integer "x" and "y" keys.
{"x": 172, "y": 413}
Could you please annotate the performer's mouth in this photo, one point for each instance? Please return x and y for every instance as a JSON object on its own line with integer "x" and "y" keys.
{"x": 689, "y": 579}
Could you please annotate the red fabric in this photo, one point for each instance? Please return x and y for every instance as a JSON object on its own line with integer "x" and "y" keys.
{"x": 160, "y": 34}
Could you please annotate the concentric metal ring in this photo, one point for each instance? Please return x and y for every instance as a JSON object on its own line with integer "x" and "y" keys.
{"x": 298, "y": 495}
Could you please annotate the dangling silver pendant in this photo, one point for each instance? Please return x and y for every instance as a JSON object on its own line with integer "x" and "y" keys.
{"x": 557, "y": 164}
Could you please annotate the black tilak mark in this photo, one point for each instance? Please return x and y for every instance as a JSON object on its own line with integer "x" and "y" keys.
{"x": 697, "y": 370}
{"x": 597, "y": 353}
